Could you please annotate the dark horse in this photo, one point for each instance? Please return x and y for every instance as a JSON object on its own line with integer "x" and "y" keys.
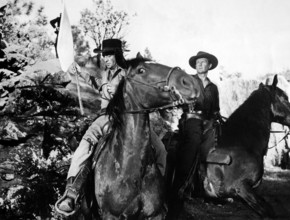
{"x": 245, "y": 137}
{"x": 127, "y": 181}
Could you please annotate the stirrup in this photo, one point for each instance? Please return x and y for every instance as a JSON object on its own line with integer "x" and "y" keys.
{"x": 67, "y": 214}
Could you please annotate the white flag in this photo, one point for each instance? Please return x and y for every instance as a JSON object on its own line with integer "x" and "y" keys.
{"x": 65, "y": 49}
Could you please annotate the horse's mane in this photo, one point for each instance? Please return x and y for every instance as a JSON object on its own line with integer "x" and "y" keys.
{"x": 238, "y": 124}
{"x": 116, "y": 106}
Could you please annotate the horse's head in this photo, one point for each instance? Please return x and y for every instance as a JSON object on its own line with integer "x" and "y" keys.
{"x": 280, "y": 104}
{"x": 154, "y": 85}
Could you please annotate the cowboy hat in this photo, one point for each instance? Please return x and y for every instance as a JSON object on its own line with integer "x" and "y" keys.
{"x": 211, "y": 58}
{"x": 110, "y": 46}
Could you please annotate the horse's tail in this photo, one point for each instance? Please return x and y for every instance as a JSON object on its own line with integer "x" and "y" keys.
{"x": 256, "y": 202}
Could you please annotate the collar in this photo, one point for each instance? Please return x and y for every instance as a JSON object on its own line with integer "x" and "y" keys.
{"x": 111, "y": 74}
{"x": 197, "y": 77}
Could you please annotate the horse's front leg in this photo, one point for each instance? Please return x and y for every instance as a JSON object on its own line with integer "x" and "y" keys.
{"x": 256, "y": 202}
{"x": 152, "y": 193}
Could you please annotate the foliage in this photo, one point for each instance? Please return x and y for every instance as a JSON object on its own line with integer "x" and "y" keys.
{"x": 147, "y": 54}
{"x": 40, "y": 187}
{"x": 49, "y": 124}
{"x": 157, "y": 123}
{"x": 104, "y": 22}
{"x": 37, "y": 106}
{"x": 27, "y": 36}
{"x": 53, "y": 120}
{"x": 81, "y": 45}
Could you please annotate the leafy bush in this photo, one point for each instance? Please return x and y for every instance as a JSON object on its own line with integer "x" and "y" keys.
{"x": 42, "y": 180}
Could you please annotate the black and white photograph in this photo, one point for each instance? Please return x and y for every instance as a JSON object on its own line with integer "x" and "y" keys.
{"x": 144, "y": 110}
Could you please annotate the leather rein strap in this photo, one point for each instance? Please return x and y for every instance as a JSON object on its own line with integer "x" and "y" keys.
{"x": 175, "y": 95}
{"x": 283, "y": 138}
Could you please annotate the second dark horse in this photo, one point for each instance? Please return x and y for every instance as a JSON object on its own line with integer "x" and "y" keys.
{"x": 245, "y": 138}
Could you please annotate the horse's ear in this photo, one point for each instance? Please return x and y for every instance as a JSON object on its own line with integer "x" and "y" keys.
{"x": 261, "y": 85}
{"x": 139, "y": 56}
{"x": 275, "y": 81}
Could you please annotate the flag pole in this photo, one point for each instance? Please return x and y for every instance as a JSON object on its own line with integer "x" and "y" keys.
{"x": 79, "y": 89}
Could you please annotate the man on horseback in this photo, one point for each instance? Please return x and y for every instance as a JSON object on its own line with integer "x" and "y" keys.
{"x": 196, "y": 128}
{"x": 81, "y": 163}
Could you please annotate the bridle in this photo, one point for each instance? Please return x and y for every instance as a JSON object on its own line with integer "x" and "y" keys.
{"x": 174, "y": 94}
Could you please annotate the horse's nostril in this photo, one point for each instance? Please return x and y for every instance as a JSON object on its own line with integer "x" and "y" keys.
{"x": 185, "y": 83}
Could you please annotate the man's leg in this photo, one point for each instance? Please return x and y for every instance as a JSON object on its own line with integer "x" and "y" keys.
{"x": 77, "y": 176}
{"x": 187, "y": 151}
{"x": 80, "y": 167}
{"x": 208, "y": 142}
{"x": 170, "y": 141}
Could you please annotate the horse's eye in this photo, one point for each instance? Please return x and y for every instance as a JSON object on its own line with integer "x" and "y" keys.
{"x": 141, "y": 70}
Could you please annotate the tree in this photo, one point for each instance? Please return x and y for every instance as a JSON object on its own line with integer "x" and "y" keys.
{"x": 38, "y": 108}
{"x": 9, "y": 21}
{"x": 147, "y": 54}
{"x": 104, "y": 22}
{"x": 81, "y": 45}
{"x": 27, "y": 36}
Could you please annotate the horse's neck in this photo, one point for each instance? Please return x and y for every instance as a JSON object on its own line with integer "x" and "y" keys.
{"x": 136, "y": 130}
{"x": 137, "y": 127}
{"x": 251, "y": 122}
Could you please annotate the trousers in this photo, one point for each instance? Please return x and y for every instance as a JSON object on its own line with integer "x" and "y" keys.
{"x": 188, "y": 149}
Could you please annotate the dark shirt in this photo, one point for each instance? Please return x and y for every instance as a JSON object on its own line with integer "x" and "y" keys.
{"x": 210, "y": 104}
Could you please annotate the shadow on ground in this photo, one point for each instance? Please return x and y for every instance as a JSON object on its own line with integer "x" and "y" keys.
{"x": 275, "y": 189}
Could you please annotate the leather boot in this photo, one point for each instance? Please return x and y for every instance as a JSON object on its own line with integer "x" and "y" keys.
{"x": 69, "y": 202}
{"x": 67, "y": 205}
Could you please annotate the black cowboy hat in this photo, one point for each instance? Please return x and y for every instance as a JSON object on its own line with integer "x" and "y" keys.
{"x": 211, "y": 58}
{"x": 110, "y": 46}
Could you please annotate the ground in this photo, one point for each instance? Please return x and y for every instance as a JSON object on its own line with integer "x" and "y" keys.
{"x": 275, "y": 189}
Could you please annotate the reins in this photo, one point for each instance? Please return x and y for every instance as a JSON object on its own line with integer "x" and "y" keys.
{"x": 275, "y": 145}
{"x": 284, "y": 137}
{"x": 174, "y": 94}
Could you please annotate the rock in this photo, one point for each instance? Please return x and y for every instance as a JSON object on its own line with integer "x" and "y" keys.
{"x": 11, "y": 131}
{"x": 3, "y": 102}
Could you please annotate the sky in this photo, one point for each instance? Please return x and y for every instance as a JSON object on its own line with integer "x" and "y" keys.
{"x": 247, "y": 36}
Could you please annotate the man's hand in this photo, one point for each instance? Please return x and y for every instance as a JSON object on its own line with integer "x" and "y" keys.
{"x": 74, "y": 69}
{"x": 105, "y": 91}
{"x": 111, "y": 89}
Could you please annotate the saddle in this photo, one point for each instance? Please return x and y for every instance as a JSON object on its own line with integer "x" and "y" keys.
{"x": 218, "y": 158}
